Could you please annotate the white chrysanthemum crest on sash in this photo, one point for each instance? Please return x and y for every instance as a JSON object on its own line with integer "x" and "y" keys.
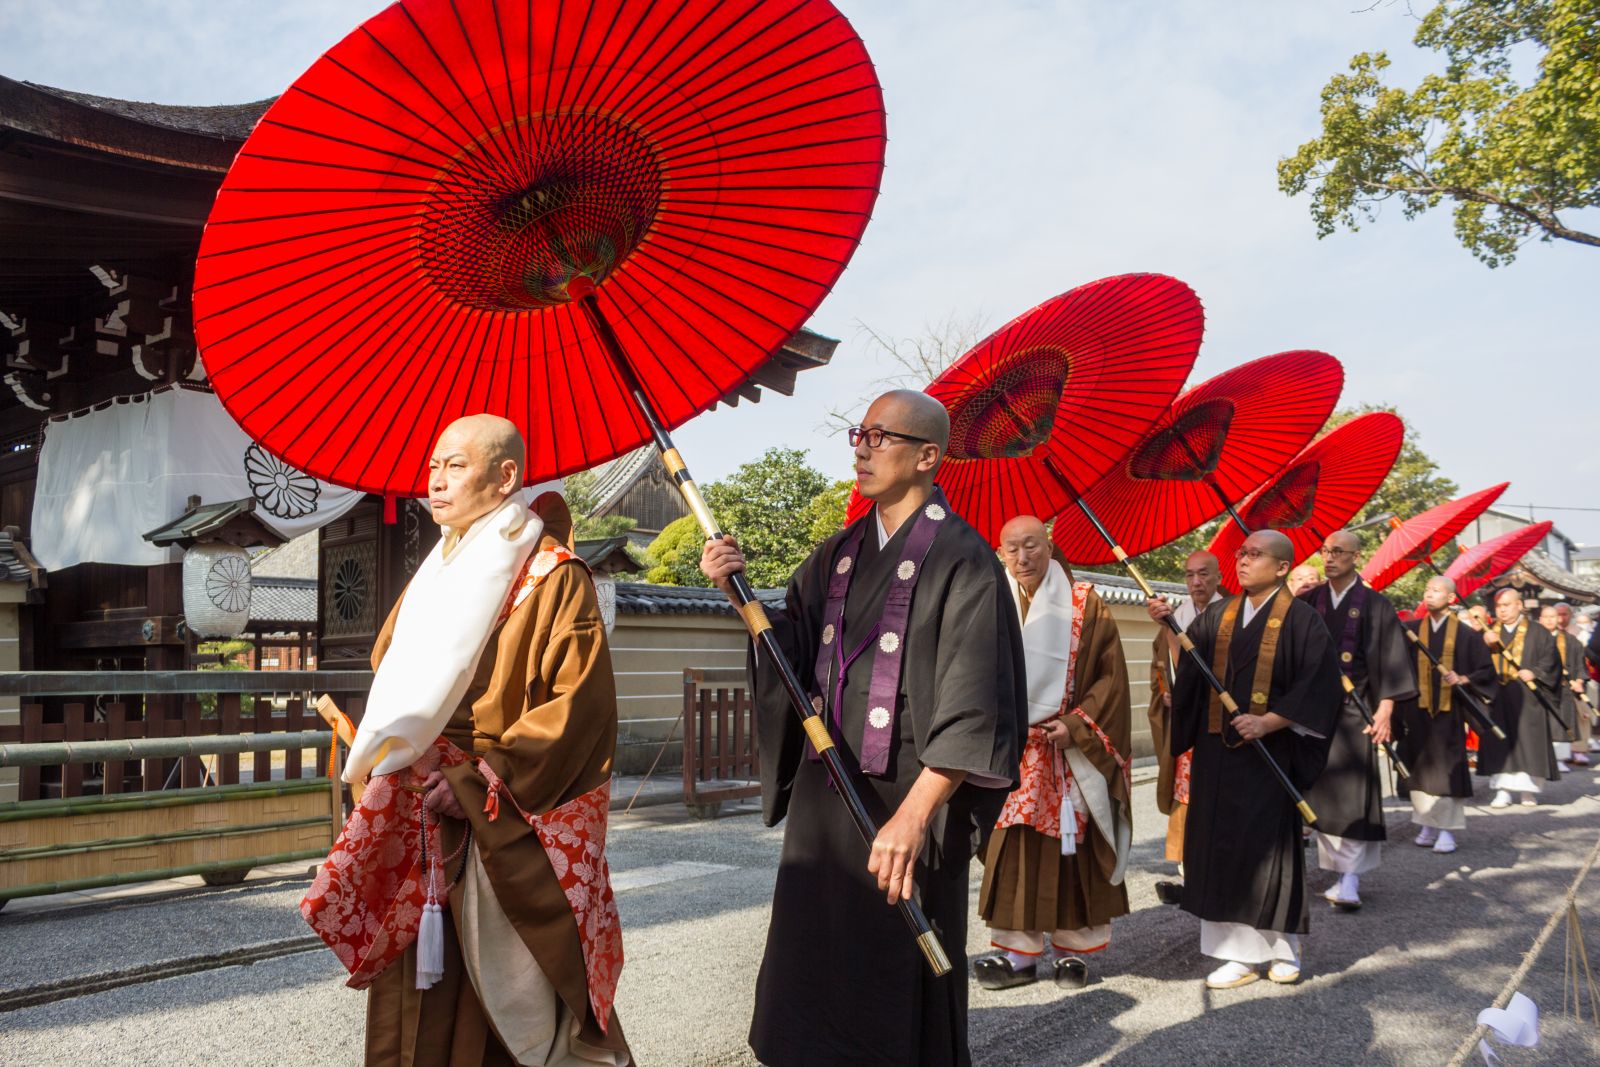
{"x": 446, "y": 616}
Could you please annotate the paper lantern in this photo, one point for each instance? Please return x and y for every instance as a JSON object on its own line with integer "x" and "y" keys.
{"x": 216, "y": 589}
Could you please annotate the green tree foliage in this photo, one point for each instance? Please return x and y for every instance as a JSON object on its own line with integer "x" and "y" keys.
{"x": 1165, "y": 564}
{"x": 579, "y": 489}
{"x": 1510, "y": 154}
{"x": 675, "y": 554}
{"x": 1413, "y": 486}
{"x": 779, "y": 507}
{"x": 824, "y": 515}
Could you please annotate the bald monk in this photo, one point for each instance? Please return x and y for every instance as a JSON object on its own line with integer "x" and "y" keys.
{"x": 1053, "y": 869}
{"x": 902, "y": 628}
{"x": 494, "y": 691}
{"x": 1302, "y": 578}
{"x": 1202, "y": 575}
{"x": 1244, "y": 868}
{"x": 1376, "y": 657}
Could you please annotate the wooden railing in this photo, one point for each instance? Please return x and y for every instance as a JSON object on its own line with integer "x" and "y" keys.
{"x": 720, "y": 761}
{"x": 133, "y": 776}
{"x": 62, "y": 706}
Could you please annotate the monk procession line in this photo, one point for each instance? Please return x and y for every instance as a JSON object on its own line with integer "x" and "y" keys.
{"x": 982, "y": 700}
{"x": 480, "y": 245}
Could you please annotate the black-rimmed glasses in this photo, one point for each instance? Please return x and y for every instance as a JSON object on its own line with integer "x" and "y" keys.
{"x": 876, "y": 437}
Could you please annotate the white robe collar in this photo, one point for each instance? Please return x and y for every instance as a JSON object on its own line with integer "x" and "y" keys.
{"x": 446, "y": 615}
{"x": 1047, "y": 641}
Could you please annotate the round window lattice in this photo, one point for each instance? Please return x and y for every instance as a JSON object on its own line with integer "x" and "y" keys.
{"x": 228, "y": 583}
{"x": 349, "y": 590}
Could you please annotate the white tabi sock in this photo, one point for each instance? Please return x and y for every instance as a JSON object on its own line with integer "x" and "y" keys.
{"x": 1019, "y": 962}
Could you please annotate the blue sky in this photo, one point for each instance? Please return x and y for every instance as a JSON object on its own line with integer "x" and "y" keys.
{"x": 1035, "y": 146}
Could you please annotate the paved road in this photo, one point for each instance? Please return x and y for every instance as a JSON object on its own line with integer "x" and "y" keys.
{"x": 1400, "y": 982}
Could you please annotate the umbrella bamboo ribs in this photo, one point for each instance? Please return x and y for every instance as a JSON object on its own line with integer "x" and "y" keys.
{"x": 1472, "y": 701}
{"x": 582, "y": 290}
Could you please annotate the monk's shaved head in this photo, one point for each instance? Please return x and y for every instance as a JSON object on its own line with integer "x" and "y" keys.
{"x": 1273, "y": 543}
{"x": 1345, "y": 539}
{"x": 1023, "y": 526}
{"x": 917, "y": 414}
{"x": 495, "y": 439}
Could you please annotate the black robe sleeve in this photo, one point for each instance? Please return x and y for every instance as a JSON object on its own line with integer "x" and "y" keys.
{"x": 1191, "y": 693}
{"x": 1391, "y": 661}
{"x": 1592, "y": 649}
{"x": 1472, "y": 660}
{"x": 978, "y": 712}
{"x": 1540, "y": 655}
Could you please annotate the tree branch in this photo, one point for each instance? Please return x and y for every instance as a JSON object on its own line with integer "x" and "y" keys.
{"x": 1545, "y": 221}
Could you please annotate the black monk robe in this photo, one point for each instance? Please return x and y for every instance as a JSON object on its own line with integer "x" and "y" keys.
{"x": 1433, "y": 739}
{"x": 1569, "y": 654}
{"x": 1528, "y": 727}
{"x": 842, "y": 982}
{"x": 1242, "y": 857}
{"x": 1375, "y": 653}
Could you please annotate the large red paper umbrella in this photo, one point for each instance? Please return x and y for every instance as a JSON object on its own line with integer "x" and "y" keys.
{"x": 1483, "y": 563}
{"x": 396, "y": 244}
{"x": 1043, "y": 407}
{"x": 593, "y": 217}
{"x": 1419, "y": 537}
{"x": 1217, "y": 443}
{"x": 1319, "y": 490}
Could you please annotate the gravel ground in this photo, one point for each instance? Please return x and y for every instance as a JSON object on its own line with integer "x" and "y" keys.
{"x": 1399, "y": 982}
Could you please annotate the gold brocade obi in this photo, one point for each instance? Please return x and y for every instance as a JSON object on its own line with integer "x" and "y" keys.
{"x": 1261, "y": 682}
{"x": 1502, "y": 664}
{"x": 1447, "y": 662}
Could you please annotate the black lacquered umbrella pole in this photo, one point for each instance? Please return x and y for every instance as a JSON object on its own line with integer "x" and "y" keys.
{"x": 755, "y": 620}
{"x": 1228, "y": 703}
{"x": 1478, "y": 713}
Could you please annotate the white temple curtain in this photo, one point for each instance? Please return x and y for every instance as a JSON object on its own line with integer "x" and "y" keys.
{"x": 108, "y": 476}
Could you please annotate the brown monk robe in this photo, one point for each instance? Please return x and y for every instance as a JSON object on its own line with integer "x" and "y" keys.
{"x": 542, "y": 710}
{"x": 1053, "y": 872}
{"x": 1202, "y": 576}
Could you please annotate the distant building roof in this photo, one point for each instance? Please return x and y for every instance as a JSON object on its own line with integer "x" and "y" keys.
{"x": 283, "y": 600}
{"x": 231, "y": 121}
{"x": 636, "y": 598}
{"x": 292, "y": 559}
{"x": 608, "y": 555}
{"x": 233, "y": 521}
{"x": 1558, "y": 579}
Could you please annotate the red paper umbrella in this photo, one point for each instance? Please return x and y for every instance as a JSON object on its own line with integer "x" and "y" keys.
{"x": 1482, "y": 563}
{"x": 405, "y": 237}
{"x": 1418, "y": 538}
{"x": 1218, "y": 442}
{"x": 1319, "y": 490}
{"x": 1045, "y": 405}
{"x": 593, "y": 217}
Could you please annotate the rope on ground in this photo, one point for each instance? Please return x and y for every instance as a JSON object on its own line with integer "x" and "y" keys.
{"x": 1481, "y": 1031}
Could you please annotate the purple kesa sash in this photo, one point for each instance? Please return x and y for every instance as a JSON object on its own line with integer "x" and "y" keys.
{"x": 890, "y": 632}
{"x": 1351, "y": 651}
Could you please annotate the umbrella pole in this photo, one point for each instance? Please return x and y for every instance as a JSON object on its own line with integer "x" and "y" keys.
{"x": 755, "y": 619}
{"x": 1226, "y": 698}
{"x": 1479, "y": 713}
